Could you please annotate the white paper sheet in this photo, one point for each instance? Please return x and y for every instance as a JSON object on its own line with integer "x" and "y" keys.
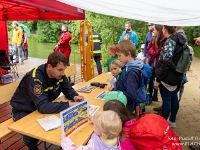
{"x": 49, "y": 123}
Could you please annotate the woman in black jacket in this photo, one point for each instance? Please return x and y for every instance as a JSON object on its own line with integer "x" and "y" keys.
{"x": 167, "y": 78}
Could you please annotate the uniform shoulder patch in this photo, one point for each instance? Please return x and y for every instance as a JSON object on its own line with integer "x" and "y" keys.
{"x": 37, "y": 80}
{"x": 38, "y": 89}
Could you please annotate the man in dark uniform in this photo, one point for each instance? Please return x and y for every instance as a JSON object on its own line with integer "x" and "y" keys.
{"x": 39, "y": 88}
{"x": 97, "y": 40}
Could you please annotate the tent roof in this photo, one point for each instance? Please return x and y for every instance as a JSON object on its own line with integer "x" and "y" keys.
{"x": 38, "y": 10}
{"x": 166, "y": 12}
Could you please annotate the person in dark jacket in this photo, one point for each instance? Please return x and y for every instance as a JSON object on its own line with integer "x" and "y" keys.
{"x": 166, "y": 77}
{"x": 149, "y": 37}
{"x": 126, "y": 52}
{"x": 97, "y": 40}
{"x": 39, "y": 87}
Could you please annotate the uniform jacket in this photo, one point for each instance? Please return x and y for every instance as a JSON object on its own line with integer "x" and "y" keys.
{"x": 97, "y": 40}
{"x": 63, "y": 44}
{"x": 36, "y": 91}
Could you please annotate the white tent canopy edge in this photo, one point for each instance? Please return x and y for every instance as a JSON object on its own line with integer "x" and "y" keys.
{"x": 165, "y": 12}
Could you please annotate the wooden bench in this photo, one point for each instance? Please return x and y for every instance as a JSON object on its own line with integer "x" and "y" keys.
{"x": 6, "y": 92}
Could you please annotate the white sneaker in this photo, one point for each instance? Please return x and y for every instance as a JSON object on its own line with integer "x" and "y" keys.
{"x": 172, "y": 124}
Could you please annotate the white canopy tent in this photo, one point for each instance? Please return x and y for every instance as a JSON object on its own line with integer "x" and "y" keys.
{"x": 166, "y": 12}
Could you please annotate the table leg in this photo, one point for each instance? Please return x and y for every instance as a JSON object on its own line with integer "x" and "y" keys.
{"x": 45, "y": 146}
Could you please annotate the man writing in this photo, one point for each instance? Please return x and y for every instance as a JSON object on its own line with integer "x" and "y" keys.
{"x": 39, "y": 87}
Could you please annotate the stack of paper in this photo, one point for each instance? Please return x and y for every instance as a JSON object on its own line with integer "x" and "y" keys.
{"x": 49, "y": 123}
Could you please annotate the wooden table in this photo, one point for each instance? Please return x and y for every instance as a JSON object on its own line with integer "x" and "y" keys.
{"x": 30, "y": 127}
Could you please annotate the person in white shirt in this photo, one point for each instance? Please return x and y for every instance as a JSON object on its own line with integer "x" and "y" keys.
{"x": 141, "y": 54}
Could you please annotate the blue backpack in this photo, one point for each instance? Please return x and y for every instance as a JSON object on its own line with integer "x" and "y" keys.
{"x": 143, "y": 90}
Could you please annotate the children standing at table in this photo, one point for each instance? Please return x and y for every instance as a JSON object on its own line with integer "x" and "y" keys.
{"x": 115, "y": 68}
{"x": 117, "y": 101}
{"x": 112, "y": 57}
{"x": 107, "y": 127}
{"x": 129, "y": 79}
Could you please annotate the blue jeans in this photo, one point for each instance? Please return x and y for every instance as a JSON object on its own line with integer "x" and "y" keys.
{"x": 170, "y": 103}
{"x": 19, "y": 52}
{"x": 98, "y": 63}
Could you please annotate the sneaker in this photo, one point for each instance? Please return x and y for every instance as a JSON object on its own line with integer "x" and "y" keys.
{"x": 154, "y": 98}
{"x": 157, "y": 108}
{"x": 16, "y": 62}
{"x": 172, "y": 124}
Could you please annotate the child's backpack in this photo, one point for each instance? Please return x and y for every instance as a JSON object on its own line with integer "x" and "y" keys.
{"x": 142, "y": 92}
{"x": 152, "y": 132}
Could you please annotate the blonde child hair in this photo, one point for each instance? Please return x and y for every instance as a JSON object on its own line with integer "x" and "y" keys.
{"x": 108, "y": 123}
{"x": 117, "y": 63}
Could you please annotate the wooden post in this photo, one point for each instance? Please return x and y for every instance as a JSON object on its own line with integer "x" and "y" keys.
{"x": 86, "y": 51}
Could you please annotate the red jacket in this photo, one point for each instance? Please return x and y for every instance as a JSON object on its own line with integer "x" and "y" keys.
{"x": 154, "y": 52}
{"x": 63, "y": 44}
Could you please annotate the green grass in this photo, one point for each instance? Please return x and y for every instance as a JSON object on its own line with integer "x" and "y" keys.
{"x": 196, "y": 51}
{"x": 42, "y": 50}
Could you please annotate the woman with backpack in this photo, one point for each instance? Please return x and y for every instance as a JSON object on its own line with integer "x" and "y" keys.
{"x": 153, "y": 51}
{"x": 167, "y": 78}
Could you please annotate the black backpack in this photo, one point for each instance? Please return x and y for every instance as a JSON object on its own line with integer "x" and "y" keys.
{"x": 183, "y": 64}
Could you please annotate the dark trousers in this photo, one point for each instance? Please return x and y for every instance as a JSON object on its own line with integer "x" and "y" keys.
{"x": 30, "y": 142}
{"x": 152, "y": 91}
{"x": 170, "y": 104}
{"x": 98, "y": 63}
{"x": 24, "y": 50}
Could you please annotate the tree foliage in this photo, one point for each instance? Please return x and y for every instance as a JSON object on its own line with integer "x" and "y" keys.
{"x": 109, "y": 27}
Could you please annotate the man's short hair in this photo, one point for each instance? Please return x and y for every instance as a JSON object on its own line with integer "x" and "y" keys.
{"x": 125, "y": 47}
{"x": 56, "y": 58}
{"x": 109, "y": 123}
{"x": 129, "y": 23}
{"x": 65, "y": 26}
{"x": 15, "y": 23}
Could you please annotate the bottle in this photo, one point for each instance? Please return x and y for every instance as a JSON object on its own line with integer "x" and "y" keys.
{"x": 7, "y": 78}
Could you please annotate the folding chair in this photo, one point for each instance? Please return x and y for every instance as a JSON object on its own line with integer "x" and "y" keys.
{"x": 71, "y": 71}
{"x": 7, "y": 65}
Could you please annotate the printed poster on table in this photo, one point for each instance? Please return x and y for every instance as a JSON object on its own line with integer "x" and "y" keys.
{"x": 87, "y": 88}
{"x": 74, "y": 117}
{"x": 102, "y": 95}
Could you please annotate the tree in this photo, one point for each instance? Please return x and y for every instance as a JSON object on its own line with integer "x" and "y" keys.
{"x": 111, "y": 29}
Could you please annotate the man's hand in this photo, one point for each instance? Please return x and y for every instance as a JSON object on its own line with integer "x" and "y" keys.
{"x": 197, "y": 41}
{"x": 156, "y": 84}
{"x": 78, "y": 98}
{"x": 72, "y": 103}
